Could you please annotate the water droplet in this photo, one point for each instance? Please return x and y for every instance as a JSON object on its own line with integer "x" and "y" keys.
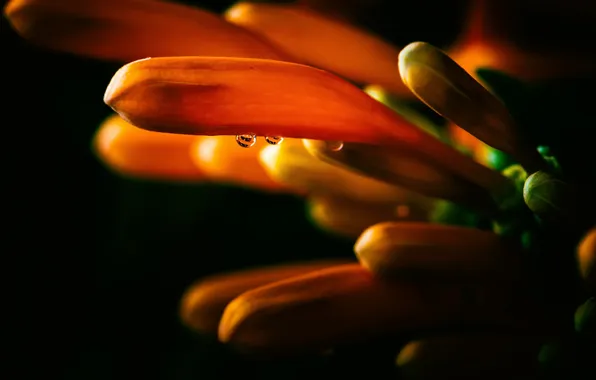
{"x": 247, "y": 140}
{"x": 402, "y": 211}
{"x": 274, "y": 140}
{"x": 334, "y": 146}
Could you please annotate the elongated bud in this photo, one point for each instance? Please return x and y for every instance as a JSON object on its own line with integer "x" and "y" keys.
{"x": 449, "y": 90}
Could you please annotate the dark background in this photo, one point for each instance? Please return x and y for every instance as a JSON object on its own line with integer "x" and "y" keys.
{"x": 102, "y": 261}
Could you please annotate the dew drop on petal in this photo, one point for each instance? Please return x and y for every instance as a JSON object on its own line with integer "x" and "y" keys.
{"x": 274, "y": 140}
{"x": 402, "y": 211}
{"x": 247, "y": 140}
{"x": 334, "y": 146}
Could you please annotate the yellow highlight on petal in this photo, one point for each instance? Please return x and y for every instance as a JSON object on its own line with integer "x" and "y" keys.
{"x": 291, "y": 164}
{"x": 406, "y": 169}
{"x": 449, "y": 90}
{"x": 323, "y": 42}
{"x": 135, "y": 152}
{"x": 220, "y": 158}
{"x": 437, "y": 251}
{"x": 350, "y": 218}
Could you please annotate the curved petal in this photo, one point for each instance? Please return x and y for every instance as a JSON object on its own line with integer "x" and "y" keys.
{"x": 126, "y": 30}
{"x": 350, "y": 218}
{"x": 220, "y": 158}
{"x": 407, "y": 248}
{"x": 219, "y": 96}
{"x": 203, "y": 303}
{"x": 345, "y": 303}
{"x": 586, "y": 257}
{"x": 446, "y": 87}
{"x": 292, "y": 165}
{"x": 135, "y": 152}
{"x": 482, "y": 355}
{"x": 404, "y": 169}
{"x": 323, "y": 42}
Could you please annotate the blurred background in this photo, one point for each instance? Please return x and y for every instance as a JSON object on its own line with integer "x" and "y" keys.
{"x": 103, "y": 260}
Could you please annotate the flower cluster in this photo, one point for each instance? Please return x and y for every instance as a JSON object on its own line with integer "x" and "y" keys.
{"x": 461, "y": 226}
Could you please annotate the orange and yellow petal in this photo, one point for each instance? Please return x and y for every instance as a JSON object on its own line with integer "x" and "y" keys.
{"x": 349, "y": 218}
{"x": 222, "y": 160}
{"x": 127, "y": 30}
{"x": 437, "y": 251}
{"x": 291, "y": 164}
{"x": 136, "y": 152}
{"x": 322, "y": 42}
{"x": 346, "y": 303}
{"x": 406, "y": 169}
{"x": 203, "y": 303}
{"x": 449, "y": 90}
{"x": 230, "y": 96}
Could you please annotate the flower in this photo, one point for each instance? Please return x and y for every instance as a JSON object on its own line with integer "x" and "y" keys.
{"x": 369, "y": 166}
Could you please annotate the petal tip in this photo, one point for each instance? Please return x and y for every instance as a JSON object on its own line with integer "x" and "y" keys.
{"x": 118, "y": 81}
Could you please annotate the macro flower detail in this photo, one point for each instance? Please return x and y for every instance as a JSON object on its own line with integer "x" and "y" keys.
{"x": 456, "y": 224}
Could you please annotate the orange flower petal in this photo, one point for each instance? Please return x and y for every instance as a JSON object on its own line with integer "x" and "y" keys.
{"x": 220, "y": 96}
{"x": 345, "y": 303}
{"x": 350, "y": 218}
{"x": 446, "y": 87}
{"x": 135, "y": 152}
{"x": 586, "y": 257}
{"x": 292, "y": 165}
{"x": 217, "y": 96}
{"x": 482, "y": 355}
{"x": 220, "y": 158}
{"x": 404, "y": 169}
{"x": 204, "y": 303}
{"x": 329, "y": 44}
{"x": 126, "y": 30}
{"x": 407, "y": 248}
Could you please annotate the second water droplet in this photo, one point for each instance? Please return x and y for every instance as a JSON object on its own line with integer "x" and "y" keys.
{"x": 247, "y": 140}
{"x": 274, "y": 140}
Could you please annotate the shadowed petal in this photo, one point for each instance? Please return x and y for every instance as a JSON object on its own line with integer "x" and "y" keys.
{"x": 135, "y": 152}
{"x": 220, "y": 158}
{"x": 406, "y": 248}
{"x": 482, "y": 355}
{"x": 203, "y": 304}
{"x": 322, "y": 42}
{"x": 350, "y": 218}
{"x": 414, "y": 171}
{"x": 450, "y": 91}
{"x": 292, "y": 165}
{"x": 126, "y": 30}
{"x": 345, "y": 303}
